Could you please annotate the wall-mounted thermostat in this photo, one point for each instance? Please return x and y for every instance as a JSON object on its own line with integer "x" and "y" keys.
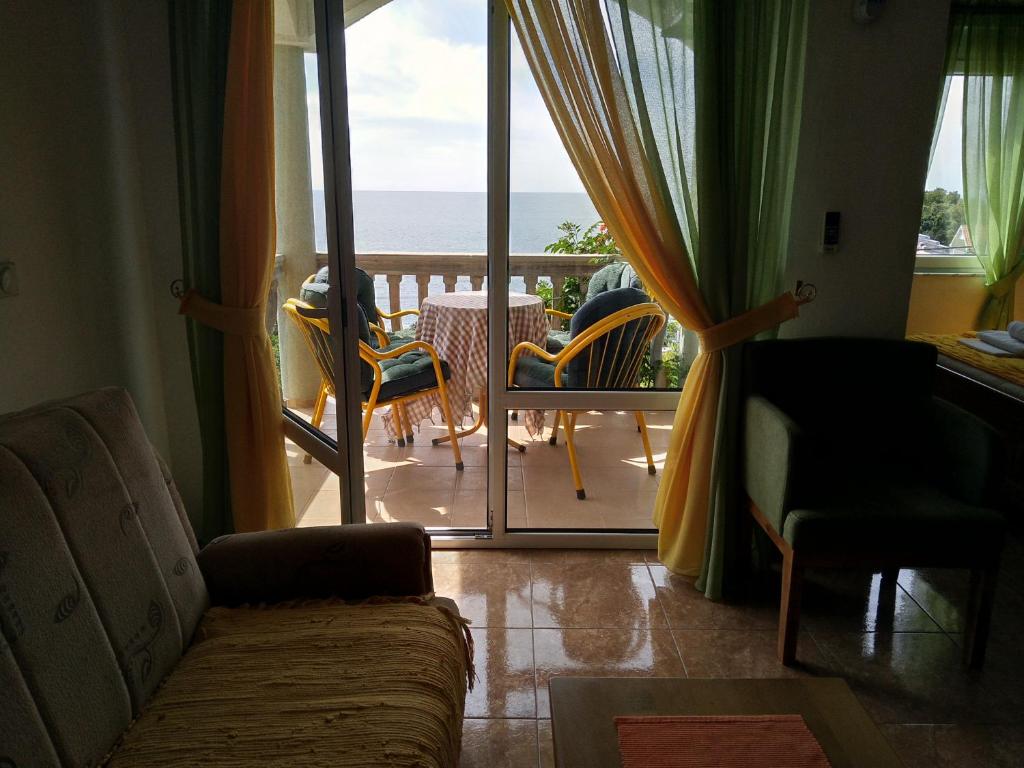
{"x": 830, "y": 236}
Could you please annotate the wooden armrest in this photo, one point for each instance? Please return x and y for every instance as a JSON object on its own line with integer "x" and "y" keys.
{"x": 559, "y": 313}
{"x": 399, "y": 313}
{"x": 382, "y": 337}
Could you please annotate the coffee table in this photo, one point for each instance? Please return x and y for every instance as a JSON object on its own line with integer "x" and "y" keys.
{"x": 583, "y": 711}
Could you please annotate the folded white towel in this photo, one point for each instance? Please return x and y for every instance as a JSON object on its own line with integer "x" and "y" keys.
{"x": 988, "y": 349}
{"x": 1003, "y": 340}
{"x": 1016, "y": 329}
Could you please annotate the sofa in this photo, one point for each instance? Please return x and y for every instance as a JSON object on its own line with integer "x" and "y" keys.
{"x": 124, "y": 644}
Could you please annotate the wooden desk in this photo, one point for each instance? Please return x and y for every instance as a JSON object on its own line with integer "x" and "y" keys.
{"x": 583, "y": 708}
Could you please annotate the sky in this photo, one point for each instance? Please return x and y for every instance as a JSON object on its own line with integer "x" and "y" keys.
{"x": 417, "y": 89}
{"x": 946, "y": 169}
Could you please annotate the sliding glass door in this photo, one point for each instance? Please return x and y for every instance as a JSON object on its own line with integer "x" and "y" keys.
{"x": 437, "y": 189}
{"x": 312, "y": 326}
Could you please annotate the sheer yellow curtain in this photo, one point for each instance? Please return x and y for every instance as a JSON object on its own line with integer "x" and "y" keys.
{"x": 572, "y": 59}
{"x": 258, "y": 469}
{"x": 578, "y": 78}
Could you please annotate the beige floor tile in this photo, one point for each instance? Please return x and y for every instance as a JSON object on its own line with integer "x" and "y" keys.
{"x": 571, "y": 594}
{"x": 545, "y": 744}
{"x": 602, "y": 653}
{"x": 470, "y": 508}
{"x": 499, "y": 744}
{"x": 431, "y": 507}
{"x": 686, "y": 608}
{"x": 324, "y": 508}
{"x": 734, "y": 653}
{"x": 957, "y": 746}
{"x": 916, "y": 677}
{"x": 505, "y": 682}
{"x": 489, "y": 593}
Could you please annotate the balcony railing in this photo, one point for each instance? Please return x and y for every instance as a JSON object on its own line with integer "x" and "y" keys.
{"x": 554, "y": 268}
{"x": 422, "y": 267}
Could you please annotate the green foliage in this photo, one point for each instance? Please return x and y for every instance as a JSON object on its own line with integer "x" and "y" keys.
{"x": 942, "y": 214}
{"x": 671, "y": 364}
{"x": 275, "y": 346}
{"x": 594, "y": 239}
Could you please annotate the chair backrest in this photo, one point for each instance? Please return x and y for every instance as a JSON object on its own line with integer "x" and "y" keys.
{"x": 314, "y": 292}
{"x": 100, "y": 592}
{"x": 610, "y": 335}
{"x": 618, "y": 274}
{"x": 315, "y": 327}
{"x": 858, "y": 399}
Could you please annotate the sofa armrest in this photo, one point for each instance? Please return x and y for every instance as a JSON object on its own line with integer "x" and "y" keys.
{"x": 771, "y": 441}
{"x": 966, "y": 456}
{"x": 351, "y": 562}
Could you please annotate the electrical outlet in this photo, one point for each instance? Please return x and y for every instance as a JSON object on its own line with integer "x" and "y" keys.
{"x": 8, "y": 279}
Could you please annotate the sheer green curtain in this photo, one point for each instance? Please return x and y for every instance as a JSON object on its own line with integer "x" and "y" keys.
{"x": 987, "y": 47}
{"x": 717, "y": 89}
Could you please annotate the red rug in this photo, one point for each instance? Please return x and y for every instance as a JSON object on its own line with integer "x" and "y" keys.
{"x": 755, "y": 741}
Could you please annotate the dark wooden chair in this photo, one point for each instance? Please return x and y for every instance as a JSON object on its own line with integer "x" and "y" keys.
{"x": 850, "y": 462}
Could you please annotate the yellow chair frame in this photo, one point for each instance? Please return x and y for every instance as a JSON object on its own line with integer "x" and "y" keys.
{"x": 623, "y": 377}
{"x": 317, "y": 330}
{"x": 377, "y": 329}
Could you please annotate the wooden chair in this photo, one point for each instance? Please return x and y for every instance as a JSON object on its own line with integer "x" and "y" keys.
{"x": 609, "y": 338}
{"x": 850, "y": 462}
{"x": 391, "y": 376}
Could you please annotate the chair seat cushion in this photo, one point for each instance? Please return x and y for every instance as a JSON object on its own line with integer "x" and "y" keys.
{"x": 557, "y": 341}
{"x": 408, "y": 373}
{"x": 403, "y": 335}
{"x": 895, "y": 516}
{"x": 318, "y": 683}
{"x": 533, "y": 372}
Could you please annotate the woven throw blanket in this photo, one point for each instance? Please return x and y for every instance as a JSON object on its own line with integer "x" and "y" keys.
{"x": 318, "y": 683}
{"x": 740, "y": 741}
{"x": 1009, "y": 368}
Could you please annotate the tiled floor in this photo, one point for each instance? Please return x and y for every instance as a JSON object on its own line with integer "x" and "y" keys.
{"x": 419, "y": 483}
{"x": 542, "y": 613}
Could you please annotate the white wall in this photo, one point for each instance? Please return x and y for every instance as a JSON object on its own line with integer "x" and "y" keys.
{"x": 869, "y": 107}
{"x": 89, "y": 214}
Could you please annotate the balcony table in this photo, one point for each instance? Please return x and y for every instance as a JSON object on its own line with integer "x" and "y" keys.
{"x": 455, "y": 324}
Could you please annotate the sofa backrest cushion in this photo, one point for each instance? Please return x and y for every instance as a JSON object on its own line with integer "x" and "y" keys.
{"x": 100, "y": 592}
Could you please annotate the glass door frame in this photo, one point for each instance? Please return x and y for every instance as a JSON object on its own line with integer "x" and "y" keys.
{"x": 343, "y": 456}
{"x": 501, "y": 399}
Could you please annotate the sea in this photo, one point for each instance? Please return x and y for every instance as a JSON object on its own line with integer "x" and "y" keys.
{"x": 450, "y": 222}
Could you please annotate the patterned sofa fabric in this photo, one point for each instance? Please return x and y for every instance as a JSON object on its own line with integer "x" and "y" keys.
{"x": 101, "y": 595}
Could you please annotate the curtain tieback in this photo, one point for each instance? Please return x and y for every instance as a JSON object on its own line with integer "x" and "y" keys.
{"x": 238, "y": 321}
{"x": 1005, "y": 284}
{"x": 750, "y": 323}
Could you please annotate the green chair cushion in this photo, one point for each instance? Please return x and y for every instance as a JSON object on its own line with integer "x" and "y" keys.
{"x": 557, "y": 341}
{"x": 618, "y": 274}
{"x": 533, "y": 372}
{"x": 893, "y": 516}
{"x": 402, "y": 336}
{"x": 406, "y": 374}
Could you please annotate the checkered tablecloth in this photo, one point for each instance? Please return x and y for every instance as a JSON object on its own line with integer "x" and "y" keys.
{"x": 456, "y": 325}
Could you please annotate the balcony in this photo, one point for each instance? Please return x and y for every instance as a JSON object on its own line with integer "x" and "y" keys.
{"x": 418, "y": 482}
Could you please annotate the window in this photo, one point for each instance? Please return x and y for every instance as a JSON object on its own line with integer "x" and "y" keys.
{"x": 944, "y": 242}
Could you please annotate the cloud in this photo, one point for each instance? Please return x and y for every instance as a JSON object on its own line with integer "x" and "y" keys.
{"x": 417, "y": 91}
